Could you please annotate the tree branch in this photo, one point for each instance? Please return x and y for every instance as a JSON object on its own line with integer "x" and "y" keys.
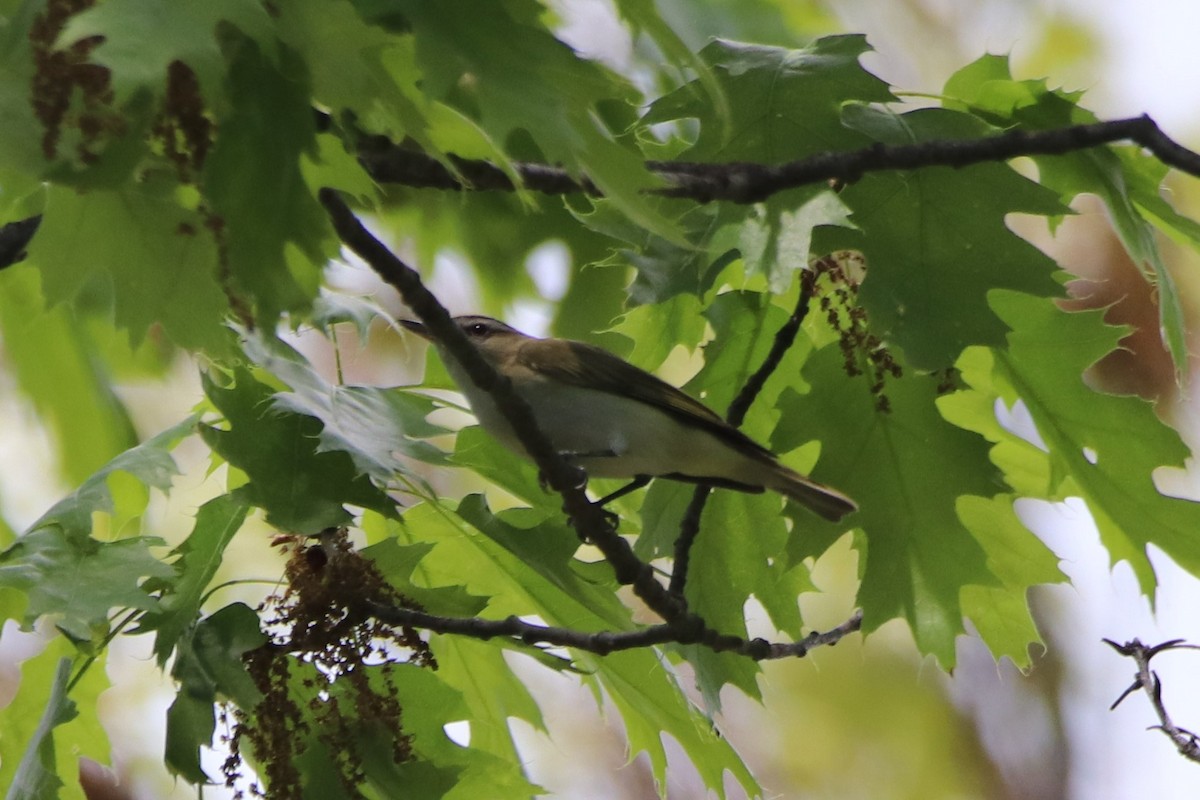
{"x": 738, "y": 182}
{"x": 388, "y": 163}
{"x": 689, "y": 528}
{"x": 752, "y": 183}
{"x": 605, "y": 642}
{"x": 1186, "y": 742}
{"x": 744, "y": 182}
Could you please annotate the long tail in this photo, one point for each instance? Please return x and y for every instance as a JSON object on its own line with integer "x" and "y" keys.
{"x": 818, "y": 498}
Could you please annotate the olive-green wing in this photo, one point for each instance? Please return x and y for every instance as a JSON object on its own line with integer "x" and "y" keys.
{"x": 581, "y": 364}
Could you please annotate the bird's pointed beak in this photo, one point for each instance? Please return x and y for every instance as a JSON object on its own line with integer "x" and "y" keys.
{"x": 416, "y": 327}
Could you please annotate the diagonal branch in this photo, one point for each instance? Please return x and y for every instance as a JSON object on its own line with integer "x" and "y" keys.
{"x": 589, "y": 520}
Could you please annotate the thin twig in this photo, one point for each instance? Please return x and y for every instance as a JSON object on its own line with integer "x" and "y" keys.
{"x": 1147, "y": 680}
{"x": 689, "y": 528}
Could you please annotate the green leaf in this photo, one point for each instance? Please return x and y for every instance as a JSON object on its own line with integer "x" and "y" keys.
{"x": 78, "y": 580}
{"x": 374, "y": 426}
{"x": 666, "y": 268}
{"x": 360, "y": 67}
{"x": 200, "y": 557}
{"x": 525, "y": 564}
{"x": 398, "y": 563}
{"x": 155, "y": 256}
{"x": 785, "y": 104}
{"x": 459, "y": 772}
{"x": 522, "y": 78}
{"x": 276, "y": 237}
{"x": 82, "y": 735}
{"x": 1110, "y": 453}
{"x": 491, "y": 690}
{"x": 1026, "y": 466}
{"x": 661, "y": 514}
{"x": 739, "y": 554}
{"x": 656, "y": 330}
{"x": 302, "y": 489}
{"x": 1019, "y": 559}
{"x": 477, "y": 450}
{"x": 332, "y": 166}
{"x": 936, "y": 240}
{"x": 744, "y": 326}
{"x": 1127, "y": 180}
{"x": 143, "y": 37}
{"x": 53, "y": 358}
{"x": 209, "y": 666}
{"x": 22, "y": 151}
{"x": 644, "y": 16}
{"x": 776, "y": 238}
{"x": 906, "y": 468}
{"x": 37, "y": 775}
{"x": 150, "y": 463}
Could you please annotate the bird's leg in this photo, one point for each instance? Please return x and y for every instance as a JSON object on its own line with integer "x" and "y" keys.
{"x": 613, "y": 518}
{"x": 573, "y": 457}
{"x": 635, "y": 484}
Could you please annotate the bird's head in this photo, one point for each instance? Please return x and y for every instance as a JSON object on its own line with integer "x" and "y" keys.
{"x": 491, "y": 336}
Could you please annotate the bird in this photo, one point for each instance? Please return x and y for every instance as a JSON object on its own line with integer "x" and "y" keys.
{"x": 614, "y": 420}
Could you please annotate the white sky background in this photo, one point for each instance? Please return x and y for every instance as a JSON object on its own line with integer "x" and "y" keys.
{"x": 1149, "y": 62}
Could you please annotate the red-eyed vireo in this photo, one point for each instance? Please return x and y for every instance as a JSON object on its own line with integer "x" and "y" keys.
{"x": 617, "y": 421}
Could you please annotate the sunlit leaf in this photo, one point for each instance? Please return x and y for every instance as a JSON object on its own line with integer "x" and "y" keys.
{"x": 906, "y": 467}
{"x": 199, "y": 559}
{"x": 1110, "y": 453}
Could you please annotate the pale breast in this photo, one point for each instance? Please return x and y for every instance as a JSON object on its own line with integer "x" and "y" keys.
{"x": 612, "y": 436}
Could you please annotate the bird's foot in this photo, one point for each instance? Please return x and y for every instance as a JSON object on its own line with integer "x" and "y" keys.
{"x": 579, "y": 478}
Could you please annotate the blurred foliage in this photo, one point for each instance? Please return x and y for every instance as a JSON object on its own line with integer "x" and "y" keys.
{"x": 174, "y": 152}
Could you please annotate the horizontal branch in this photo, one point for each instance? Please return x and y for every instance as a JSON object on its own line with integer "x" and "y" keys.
{"x": 751, "y": 183}
{"x": 388, "y": 163}
{"x": 739, "y": 182}
{"x": 605, "y": 642}
{"x": 746, "y": 182}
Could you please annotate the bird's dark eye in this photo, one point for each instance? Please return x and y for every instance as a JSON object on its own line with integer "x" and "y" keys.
{"x": 477, "y": 329}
